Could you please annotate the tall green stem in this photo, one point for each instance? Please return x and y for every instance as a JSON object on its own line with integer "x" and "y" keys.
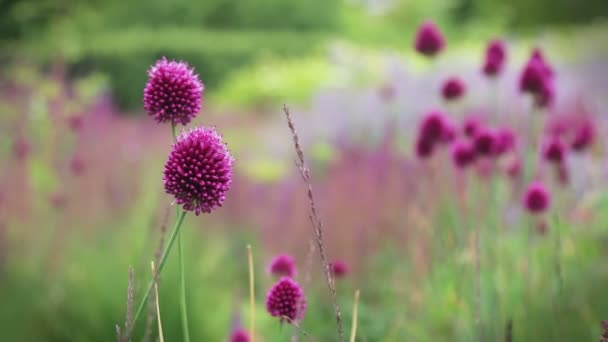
{"x": 180, "y": 249}
{"x": 161, "y": 265}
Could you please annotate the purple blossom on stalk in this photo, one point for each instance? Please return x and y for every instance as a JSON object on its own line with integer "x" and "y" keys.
{"x": 449, "y": 131}
{"x": 432, "y": 127}
{"x": 173, "y": 92}
{"x": 485, "y": 142}
{"x": 505, "y": 140}
{"x": 286, "y": 300}
{"x": 339, "y": 268}
{"x": 283, "y": 265}
{"x": 453, "y": 88}
{"x": 470, "y": 126}
{"x": 537, "y": 198}
{"x": 583, "y": 136}
{"x": 424, "y": 148}
{"x": 514, "y": 168}
{"x": 554, "y": 150}
{"x": 198, "y": 171}
{"x": 537, "y": 79}
{"x": 463, "y": 153}
{"x": 239, "y": 335}
{"x": 495, "y": 58}
{"x": 429, "y": 40}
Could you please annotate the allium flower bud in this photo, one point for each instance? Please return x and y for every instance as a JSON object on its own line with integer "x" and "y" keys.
{"x": 470, "y": 126}
{"x": 338, "y": 268}
{"x": 495, "y": 58}
{"x": 485, "y": 142}
{"x": 463, "y": 153}
{"x": 505, "y": 141}
{"x": 429, "y": 40}
{"x": 554, "y": 150}
{"x": 283, "y": 265}
{"x": 583, "y": 136}
{"x": 239, "y": 335}
{"x": 533, "y": 77}
{"x": 286, "y": 299}
{"x": 537, "y": 198}
{"x": 424, "y": 148}
{"x": 453, "y": 88}
{"x": 173, "y": 92}
{"x": 432, "y": 127}
{"x": 198, "y": 171}
{"x": 537, "y": 55}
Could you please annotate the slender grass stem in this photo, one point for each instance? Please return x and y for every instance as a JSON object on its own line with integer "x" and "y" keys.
{"x": 353, "y": 330}
{"x": 163, "y": 261}
{"x": 251, "y": 294}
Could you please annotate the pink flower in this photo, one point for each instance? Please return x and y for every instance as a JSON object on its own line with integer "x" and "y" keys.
{"x": 239, "y": 335}
{"x": 537, "y": 198}
{"x": 286, "y": 300}
{"x": 429, "y": 40}
{"x": 198, "y": 171}
{"x": 283, "y": 265}
{"x": 339, "y": 268}
{"x": 463, "y": 153}
{"x": 453, "y": 88}
{"x": 495, "y": 58}
{"x": 173, "y": 92}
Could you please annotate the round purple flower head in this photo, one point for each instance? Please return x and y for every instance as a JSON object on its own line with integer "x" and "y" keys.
{"x": 453, "y": 88}
{"x": 471, "y": 126}
{"x": 429, "y": 40}
{"x": 338, "y": 268}
{"x": 199, "y": 170}
{"x": 533, "y": 77}
{"x": 495, "y": 57}
{"x": 537, "y": 198}
{"x": 173, "y": 92}
{"x": 432, "y": 127}
{"x": 485, "y": 142}
{"x": 424, "y": 148}
{"x": 239, "y": 335}
{"x": 583, "y": 136}
{"x": 505, "y": 140}
{"x": 286, "y": 299}
{"x": 463, "y": 153}
{"x": 283, "y": 265}
{"x": 554, "y": 150}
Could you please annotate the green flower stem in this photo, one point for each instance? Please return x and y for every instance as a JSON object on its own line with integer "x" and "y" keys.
{"x": 163, "y": 261}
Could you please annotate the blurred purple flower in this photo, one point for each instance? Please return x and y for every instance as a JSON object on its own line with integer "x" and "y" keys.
{"x": 463, "y": 153}
{"x": 471, "y": 125}
{"x": 537, "y": 198}
{"x": 485, "y": 142}
{"x": 432, "y": 127}
{"x": 514, "y": 168}
{"x": 173, "y": 92}
{"x": 282, "y": 265}
{"x": 239, "y": 335}
{"x": 429, "y": 40}
{"x": 21, "y": 148}
{"x": 554, "y": 150}
{"x": 75, "y": 122}
{"x": 583, "y": 136}
{"x": 453, "y": 88}
{"x": 424, "y": 148}
{"x": 339, "y": 268}
{"x": 198, "y": 171}
{"x": 495, "y": 58}
{"x": 505, "y": 140}
{"x": 286, "y": 299}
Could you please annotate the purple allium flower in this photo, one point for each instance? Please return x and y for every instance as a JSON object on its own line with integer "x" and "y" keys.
{"x": 429, "y": 40}
{"x": 338, "y": 268}
{"x": 239, "y": 335}
{"x": 21, "y": 148}
{"x": 537, "y": 198}
{"x": 537, "y": 55}
{"x": 432, "y": 127}
{"x": 533, "y": 77}
{"x": 495, "y": 57}
{"x": 514, "y": 168}
{"x": 505, "y": 140}
{"x": 286, "y": 299}
{"x": 470, "y": 126}
{"x": 554, "y": 150}
{"x": 282, "y": 265}
{"x": 485, "y": 142}
{"x": 583, "y": 136}
{"x": 424, "y": 148}
{"x": 546, "y": 95}
{"x": 173, "y": 92}
{"x": 449, "y": 131}
{"x": 463, "y": 153}
{"x": 453, "y": 88}
{"x": 198, "y": 171}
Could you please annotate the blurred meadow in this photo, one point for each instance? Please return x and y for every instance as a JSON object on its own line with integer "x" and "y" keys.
{"x": 439, "y": 250}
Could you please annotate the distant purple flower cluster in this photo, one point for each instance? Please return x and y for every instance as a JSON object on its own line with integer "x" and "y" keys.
{"x": 537, "y": 79}
{"x": 239, "y": 335}
{"x": 495, "y": 58}
{"x": 283, "y": 265}
{"x": 429, "y": 40}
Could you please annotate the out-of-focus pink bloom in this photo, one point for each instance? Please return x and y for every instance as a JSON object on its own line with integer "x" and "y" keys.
{"x": 505, "y": 140}
{"x": 424, "y": 148}
{"x": 429, "y": 40}
{"x": 339, "y": 268}
{"x": 514, "y": 168}
{"x": 239, "y": 335}
{"x": 583, "y": 136}
{"x": 485, "y": 142}
{"x": 77, "y": 165}
{"x": 537, "y": 198}
{"x": 282, "y": 265}
{"x": 463, "y": 153}
{"x": 75, "y": 122}
{"x": 554, "y": 150}
{"x": 471, "y": 125}
{"x": 495, "y": 58}
{"x": 453, "y": 88}
{"x": 21, "y": 148}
